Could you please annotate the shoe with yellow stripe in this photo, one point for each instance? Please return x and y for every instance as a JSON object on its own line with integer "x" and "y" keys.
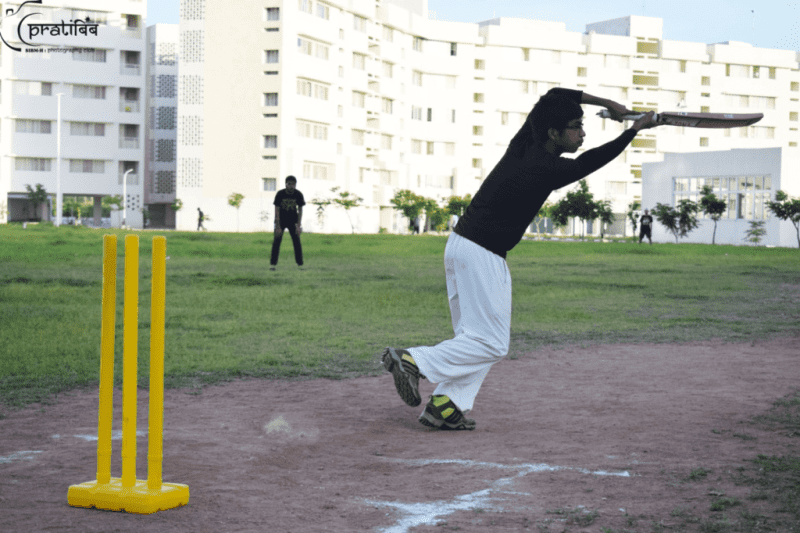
{"x": 406, "y": 374}
{"x": 442, "y": 413}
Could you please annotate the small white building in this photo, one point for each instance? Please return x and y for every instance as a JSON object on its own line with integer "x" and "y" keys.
{"x": 745, "y": 178}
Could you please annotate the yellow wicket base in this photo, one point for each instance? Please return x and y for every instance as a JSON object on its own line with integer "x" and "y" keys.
{"x": 137, "y": 499}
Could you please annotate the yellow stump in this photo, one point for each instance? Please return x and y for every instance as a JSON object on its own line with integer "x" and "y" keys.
{"x": 126, "y": 493}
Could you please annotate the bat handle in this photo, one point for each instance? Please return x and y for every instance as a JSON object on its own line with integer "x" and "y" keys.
{"x": 603, "y": 113}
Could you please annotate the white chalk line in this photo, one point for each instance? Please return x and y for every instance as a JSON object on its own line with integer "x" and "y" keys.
{"x": 19, "y": 456}
{"x": 115, "y": 435}
{"x": 431, "y": 513}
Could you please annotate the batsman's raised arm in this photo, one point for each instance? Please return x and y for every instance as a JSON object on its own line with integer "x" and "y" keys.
{"x": 615, "y": 110}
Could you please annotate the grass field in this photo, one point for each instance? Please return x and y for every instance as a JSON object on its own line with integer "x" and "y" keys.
{"x": 228, "y": 316}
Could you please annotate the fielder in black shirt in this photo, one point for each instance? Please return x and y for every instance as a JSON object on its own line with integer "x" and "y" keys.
{"x": 289, "y": 204}
{"x": 646, "y": 228}
{"x": 476, "y": 273}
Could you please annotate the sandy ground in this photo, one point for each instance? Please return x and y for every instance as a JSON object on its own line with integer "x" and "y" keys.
{"x": 611, "y": 428}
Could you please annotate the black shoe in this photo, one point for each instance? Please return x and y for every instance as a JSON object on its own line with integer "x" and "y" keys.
{"x": 406, "y": 376}
{"x": 445, "y": 416}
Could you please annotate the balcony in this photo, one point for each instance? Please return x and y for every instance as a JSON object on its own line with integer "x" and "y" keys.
{"x": 130, "y": 143}
{"x": 129, "y": 106}
{"x": 130, "y": 69}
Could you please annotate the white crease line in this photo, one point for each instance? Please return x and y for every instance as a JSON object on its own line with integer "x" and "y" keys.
{"x": 115, "y": 435}
{"x": 19, "y": 456}
{"x": 417, "y": 514}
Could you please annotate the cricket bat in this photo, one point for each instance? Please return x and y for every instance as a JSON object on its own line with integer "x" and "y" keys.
{"x": 696, "y": 120}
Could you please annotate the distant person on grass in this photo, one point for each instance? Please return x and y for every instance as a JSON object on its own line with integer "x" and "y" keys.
{"x": 289, "y": 204}
{"x": 477, "y": 277}
{"x": 200, "y": 218}
{"x": 646, "y": 227}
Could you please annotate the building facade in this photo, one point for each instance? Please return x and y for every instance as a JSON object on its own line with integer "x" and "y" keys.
{"x": 371, "y": 96}
{"x": 745, "y": 179}
{"x": 91, "y": 53}
{"x": 161, "y": 124}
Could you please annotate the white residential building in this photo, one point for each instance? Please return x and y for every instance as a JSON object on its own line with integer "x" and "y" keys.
{"x": 371, "y": 96}
{"x": 92, "y": 53}
{"x": 162, "y": 119}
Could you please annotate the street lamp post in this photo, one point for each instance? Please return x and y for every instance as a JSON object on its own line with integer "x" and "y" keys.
{"x": 59, "y": 198}
{"x": 125, "y": 195}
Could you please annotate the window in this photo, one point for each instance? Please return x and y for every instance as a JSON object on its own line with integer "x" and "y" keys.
{"x": 272, "y": 13}
{"x": 477, "y": 130}
{"x": 270, "y": 141}
{"x": 32, "y": 164}
{"x": 359, "y": 61}
{"x": 89, "y": 54}
{"x": 793, "y": 116}
{"x": 357, "y": 137}
{"x": 453, "y": 49}
{"x": 703, "y": 141}
{"x": 305, "y": 6}
{"x": 304, "y": 87}
{"x": 270, "y": 184}
{"x": 772, "y": 72}
{"x": 323, "y": 11}
{"x": 270, "y": 56}
{"x": 320, "y": 91}
{"x": 416, "y": 78}
{"x": 416, "y": 146}
{"x": 312, "y": 48}
{"x": 795, "y": 86}
{"x": 429, "y": 150}
{"x": 87, "y": 166}
{"x": 318, "y": 171}
{"x": 387, "y": 105}
{"x": 705, "y": 80}
{"x": 582, "y": 72}
{"x": 386, "y": 142}
{"x": 312, "y": 130}
{"x": 453, "y": 117}
{"x": 418, "y": 44}
{"x": 388, "y": 34}
{"x": 388, "y": 69}
{"x": 359, "y": 99}
{"x": 504, "y": 118}
{"x": 480, "y": 64}
{"x": 756, "y": 72}
{"x": 87, "y": 128}
{"x": 271, "y": 99}
{"x": 478, "y": 98}
{"x": 32, "y": 126}
{"x": 430, "y": 115}
{"x": 359, "y": 23}
{"x": 477, "y": 163}
{"x": 416, "y": 113}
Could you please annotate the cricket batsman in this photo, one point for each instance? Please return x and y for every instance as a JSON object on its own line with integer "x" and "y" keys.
{"x": 477, "y": 276}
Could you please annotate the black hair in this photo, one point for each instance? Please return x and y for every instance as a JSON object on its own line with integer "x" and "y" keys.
{"x": 551, "y": 111}
{"x": 291, "y": 178}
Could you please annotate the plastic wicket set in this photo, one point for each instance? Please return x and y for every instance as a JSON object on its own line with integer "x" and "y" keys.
{"x": 127, "y": 493}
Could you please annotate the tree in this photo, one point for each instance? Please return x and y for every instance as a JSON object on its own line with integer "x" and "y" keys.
{"x": 604, "y": 212}
{"x": 176, "y": 205}
{"x": 578, "y": 204}
{"x": 436, "y": 216}
{"x": 347, "y": 201}
{"x": 786, "y": 208}
{"x": 755, "y": 232}
{"x": 633, "y": 208}
{"x": 679, "y": 221}
{"x": 543, "y": 214}
{"x": 456, "y": 205}
{"x": 37, "y": 197}
{"x": 410, "y": 203}
{"x": 712, "y": 207}
{"x": 235, "y": 200}
{"x": 321, "y": 204}
{"x": 113, "y": 201}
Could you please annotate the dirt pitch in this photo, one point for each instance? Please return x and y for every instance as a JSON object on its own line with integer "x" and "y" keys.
{"x": 614, "y": 429}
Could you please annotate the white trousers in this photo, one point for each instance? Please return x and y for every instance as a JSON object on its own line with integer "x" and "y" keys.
{"x": 479, "y": 290}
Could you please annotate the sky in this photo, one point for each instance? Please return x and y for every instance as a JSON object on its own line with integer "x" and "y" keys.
{"x": 765, "y": 23}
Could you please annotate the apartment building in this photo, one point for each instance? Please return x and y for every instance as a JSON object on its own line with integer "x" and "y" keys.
{"x": 371, "y": 96}
{"x": 82, "y": 60}
{"x": 161, "y": 124}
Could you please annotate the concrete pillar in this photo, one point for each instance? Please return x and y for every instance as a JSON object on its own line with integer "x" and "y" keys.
{"x": 98, "y": 211}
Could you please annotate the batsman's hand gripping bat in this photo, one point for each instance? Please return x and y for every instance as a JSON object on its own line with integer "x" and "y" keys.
{"x": 696, "y": 120}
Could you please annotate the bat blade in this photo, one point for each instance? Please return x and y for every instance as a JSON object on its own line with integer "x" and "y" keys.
{"x": 709, "y": 120}
{"x": 697, "y": 120}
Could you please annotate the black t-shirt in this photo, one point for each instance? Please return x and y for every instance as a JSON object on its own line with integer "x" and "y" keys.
{"x": 288, "y": 204}
{"x": 646, "y": 221}
{"x": 514, "y": 191}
